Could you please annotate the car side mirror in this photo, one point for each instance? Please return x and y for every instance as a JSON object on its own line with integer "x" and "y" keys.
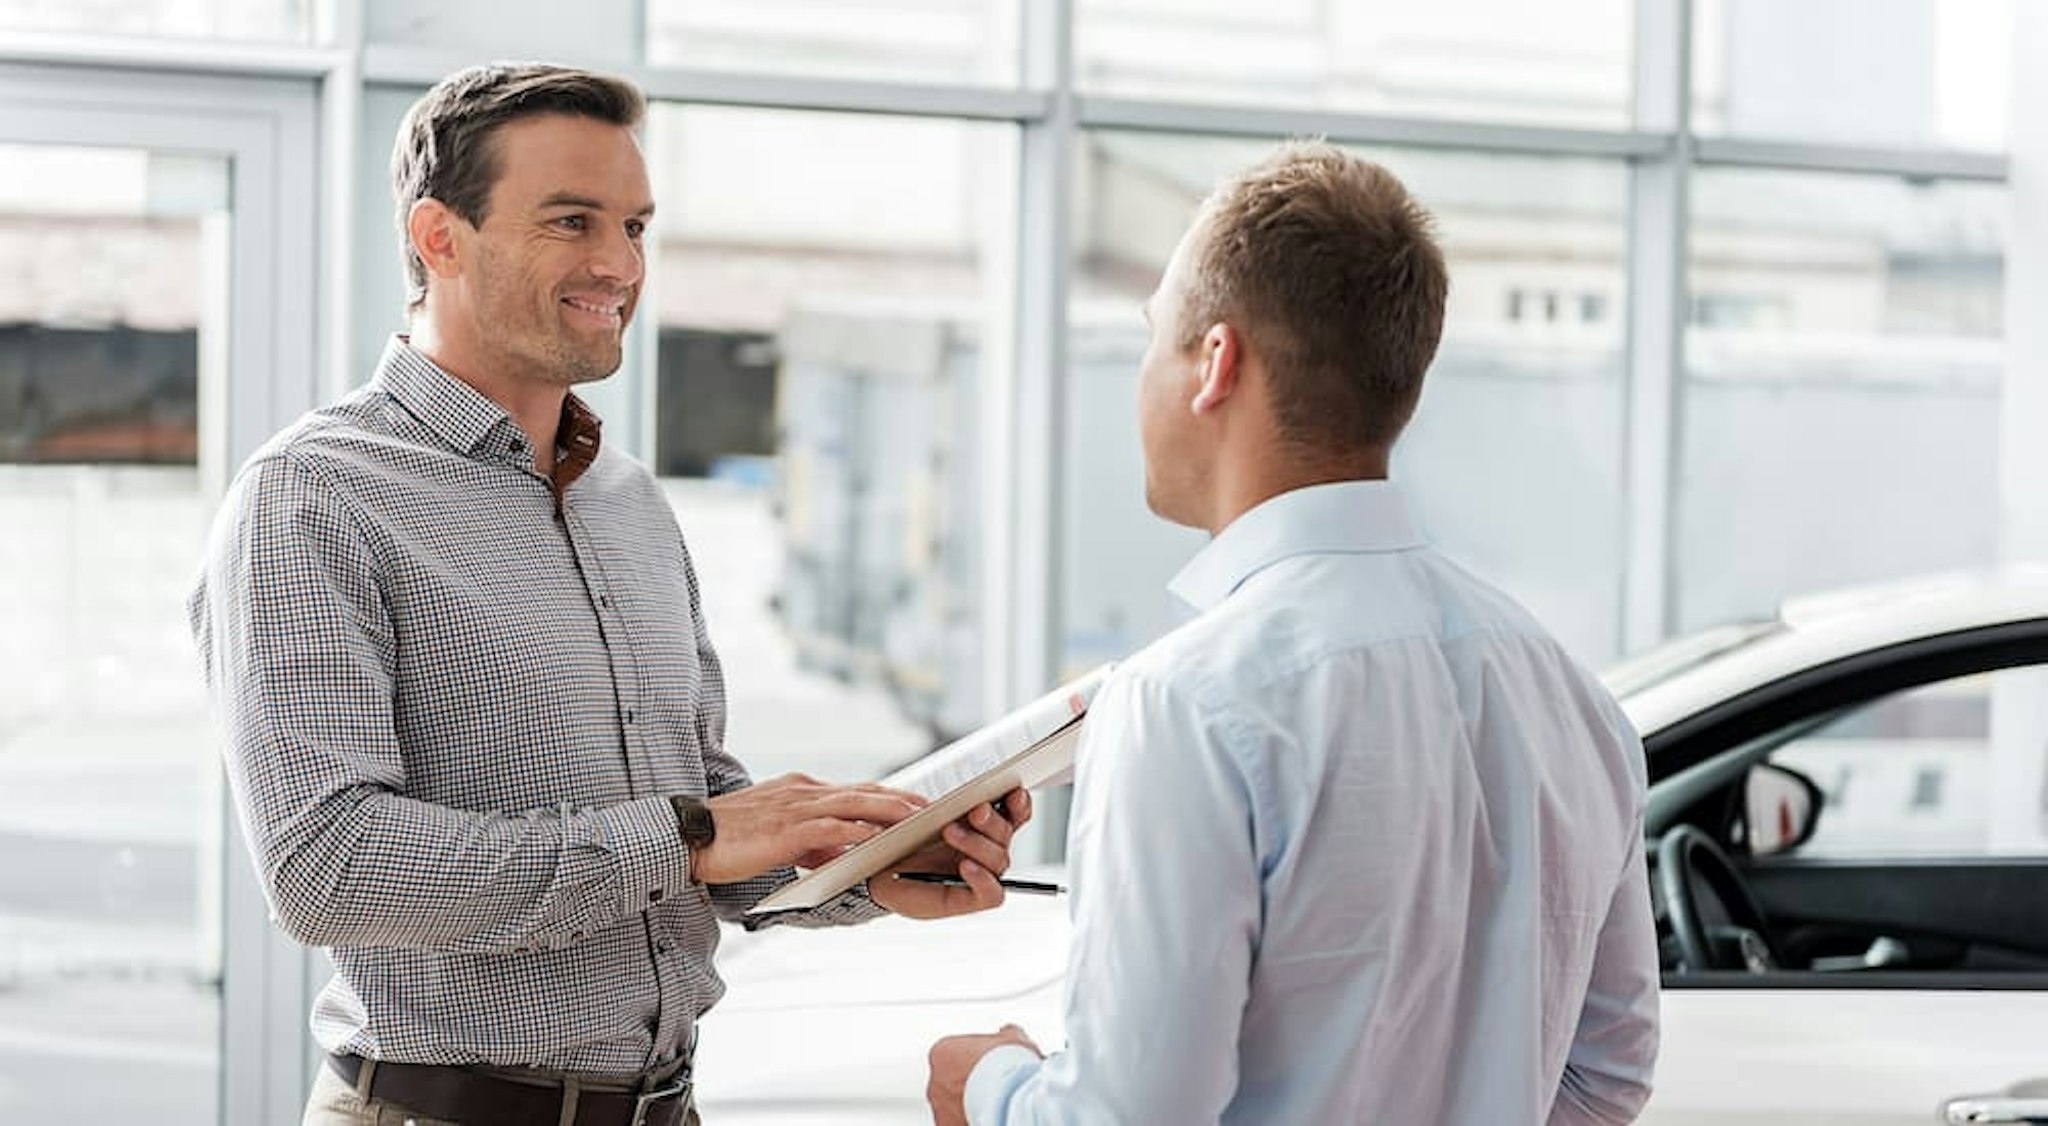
{"x": 1780, "y": 809}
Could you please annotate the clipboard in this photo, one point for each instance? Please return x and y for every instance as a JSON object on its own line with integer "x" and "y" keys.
{"x": 1027, "y": 749}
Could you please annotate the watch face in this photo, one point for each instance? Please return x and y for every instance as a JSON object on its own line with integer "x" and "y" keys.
{"x": 698, "y": 824}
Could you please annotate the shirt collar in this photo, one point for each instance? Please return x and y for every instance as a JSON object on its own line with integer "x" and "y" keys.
{"x": 459, "y": 413}
{"x": 1348, "y": 517}
{"x": 470, "y": 421}
{"x": 577, "y": 441}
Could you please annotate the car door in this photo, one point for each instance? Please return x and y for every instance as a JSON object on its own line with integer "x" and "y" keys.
{"x": 1913, "y": 922}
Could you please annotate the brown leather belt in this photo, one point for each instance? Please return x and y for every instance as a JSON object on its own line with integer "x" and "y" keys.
{"x": 466, "y": 1095}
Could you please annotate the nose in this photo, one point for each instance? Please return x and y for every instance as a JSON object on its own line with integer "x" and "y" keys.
{"x": 618, "y": 258}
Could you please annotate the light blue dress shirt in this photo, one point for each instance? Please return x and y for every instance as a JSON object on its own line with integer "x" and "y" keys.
{"x": 1359, "y": 844}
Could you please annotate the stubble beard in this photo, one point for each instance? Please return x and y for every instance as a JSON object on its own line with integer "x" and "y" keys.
{"x": 550, "y": 353}
{"x": 575, "y": 358}
{"x": 542, "y": 343}
{"x": 571, "y": 366}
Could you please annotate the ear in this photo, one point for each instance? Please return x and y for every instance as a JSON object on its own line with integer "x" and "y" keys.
{"x": 1222, "y": 351}
{"x": 431, "y": 227}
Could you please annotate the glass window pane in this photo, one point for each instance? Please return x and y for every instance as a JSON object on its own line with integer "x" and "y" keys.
{"x": 1514, "y": 458}
{"x": 289, "y": 20}
{"x": 110, "y": 942}
{"x": 98, "y": 313}
{"x": 1869, "y": 72}
{"x": 823, "y": 298}
{"x": 1841, "y": 389}
{"x": 1935, "y": 770}
{"x": 955, "y": 41}
{"x": 1562, "y": 63}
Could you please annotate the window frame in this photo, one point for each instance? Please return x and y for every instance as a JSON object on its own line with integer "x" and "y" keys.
{"x": 265, "y": 126}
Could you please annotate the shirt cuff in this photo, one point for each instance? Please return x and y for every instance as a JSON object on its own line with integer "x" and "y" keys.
{"x": 996, "y": 1076}
{"x": 653, "y": 864}
{"x": 854, "y": 905}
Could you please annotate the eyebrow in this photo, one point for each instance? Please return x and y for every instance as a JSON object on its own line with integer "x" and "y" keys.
{"x": 567, "y": 199}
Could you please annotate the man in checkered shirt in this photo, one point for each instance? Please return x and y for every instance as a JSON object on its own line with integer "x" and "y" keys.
{"x": 476, "y": 727}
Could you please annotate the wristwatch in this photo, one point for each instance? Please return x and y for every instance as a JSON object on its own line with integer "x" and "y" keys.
{"x": 694, "y": 818}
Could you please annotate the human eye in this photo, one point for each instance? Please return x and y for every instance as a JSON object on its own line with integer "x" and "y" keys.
{"x": 636, "y": 229}
{"x": 578, "y": 223}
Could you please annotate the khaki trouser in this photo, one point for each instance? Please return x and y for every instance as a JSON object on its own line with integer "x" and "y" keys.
{"x": 334, "y": 1103}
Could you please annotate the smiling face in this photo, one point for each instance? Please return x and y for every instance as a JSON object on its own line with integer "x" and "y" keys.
{"x": 550, "y": 277}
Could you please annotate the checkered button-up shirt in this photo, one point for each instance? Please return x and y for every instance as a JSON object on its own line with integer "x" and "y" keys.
{"x": 457, "y": 695}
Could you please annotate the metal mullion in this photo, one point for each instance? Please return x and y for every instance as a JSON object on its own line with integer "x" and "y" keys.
{"x": 338, "y": 23}
{"x": 1363, "y": 128}
{"x": 901, "y": 98}
{"x": 1653, "y": 402}
{"x": 171, "y": 56}
{"x": 1024, "y": 414}
{"x": 1918, "y": 163}
{"x": 265, "y": 1068}
{"x": 390, "y": 65}
{"x": 2018, "y": 723}
{"x": 341, "y": 25}
{"x": 2023, "y": 407}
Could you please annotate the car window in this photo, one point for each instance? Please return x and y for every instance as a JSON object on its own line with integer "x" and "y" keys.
{"x": 1951, "y": 768}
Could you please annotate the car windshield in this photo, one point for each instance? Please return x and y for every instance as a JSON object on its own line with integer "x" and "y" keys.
{"x": 1655, "y": 666}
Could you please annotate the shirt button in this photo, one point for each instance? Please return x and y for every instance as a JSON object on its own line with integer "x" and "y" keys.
{"x": 654, "y": 896}
{"x": 632, "y": 716}
{"x": 605, "y": 600}
{"x": 664, "y": 947}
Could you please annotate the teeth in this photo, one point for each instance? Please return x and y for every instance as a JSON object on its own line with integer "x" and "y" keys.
{"x": 601, "y": 310}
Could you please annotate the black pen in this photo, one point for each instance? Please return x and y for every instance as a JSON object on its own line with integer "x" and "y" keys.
{"x": 1030, "y": 887}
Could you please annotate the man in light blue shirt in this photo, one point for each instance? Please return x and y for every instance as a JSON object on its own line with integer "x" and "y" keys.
{"x": 1360, "y": 843}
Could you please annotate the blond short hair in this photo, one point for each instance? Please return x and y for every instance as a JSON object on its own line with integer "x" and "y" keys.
{"x": 1331, "y": 272}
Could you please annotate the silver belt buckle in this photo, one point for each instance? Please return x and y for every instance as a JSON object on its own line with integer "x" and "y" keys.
{"x": 676, "y": 1088}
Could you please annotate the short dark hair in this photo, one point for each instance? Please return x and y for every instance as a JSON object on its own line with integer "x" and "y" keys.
{"x": 444, "y": 148}
{"x": 1331, "y": 271}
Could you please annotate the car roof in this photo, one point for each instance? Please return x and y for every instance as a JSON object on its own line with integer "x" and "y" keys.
{"x": 1685, "y": 676}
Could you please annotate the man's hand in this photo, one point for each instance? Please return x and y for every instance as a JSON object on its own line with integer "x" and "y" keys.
{"x": 953, "y": 1060}
{"x": 976, "y": 847}
{"x": 794, "y": 819}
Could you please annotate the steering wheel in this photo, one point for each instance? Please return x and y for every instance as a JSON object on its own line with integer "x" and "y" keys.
{"x": 1687, "y": 858}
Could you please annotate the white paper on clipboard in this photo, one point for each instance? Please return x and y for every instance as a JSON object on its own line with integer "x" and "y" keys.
{"x": 1029, "y": 748}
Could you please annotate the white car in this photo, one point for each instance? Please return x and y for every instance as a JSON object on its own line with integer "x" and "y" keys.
{"x": 1849, "y": 811}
